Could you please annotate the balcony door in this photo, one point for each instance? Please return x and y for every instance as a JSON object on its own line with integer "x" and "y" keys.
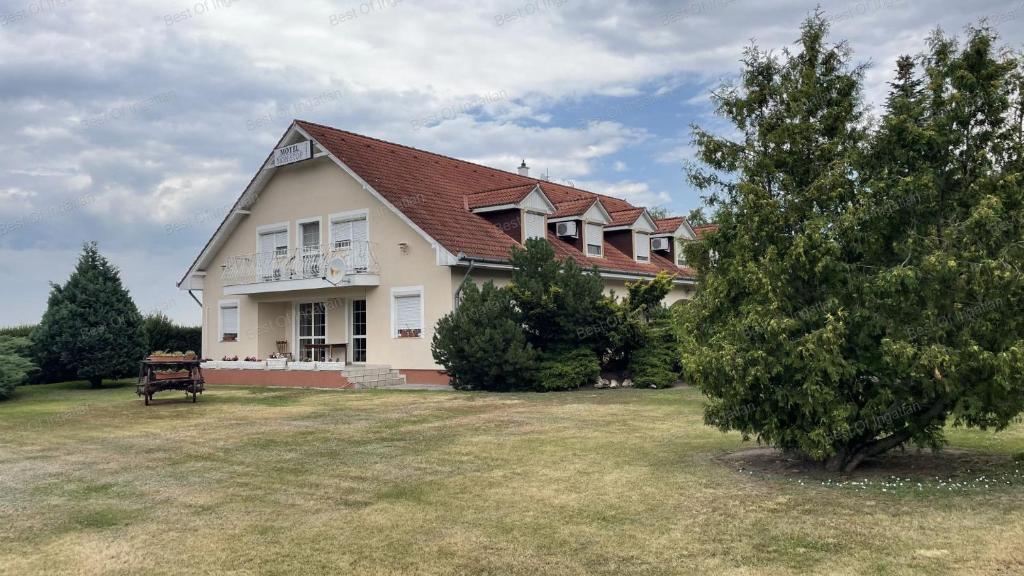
{"x": 312, "y": 260}
{"x": 358, "y": 331}
{"x": 350, "y": 239}
{"x": 312, "y": 330}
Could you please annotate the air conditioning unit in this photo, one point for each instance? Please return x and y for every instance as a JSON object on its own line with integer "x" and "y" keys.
{"x": 663, "y": 244}
{"x": 566, "y": 229}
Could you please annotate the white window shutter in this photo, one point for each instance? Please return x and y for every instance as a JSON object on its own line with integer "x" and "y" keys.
{"x": 229, "y": 320}
{"x": 359, "y": 231}
{"x": 535, "y": 225}
{"x": 643, "y": 247}
{"x": 408, "y": 310}
{"x": 267, "y": 243}
{"x": 341, "y": 232}
{"x": 595, "y": 237}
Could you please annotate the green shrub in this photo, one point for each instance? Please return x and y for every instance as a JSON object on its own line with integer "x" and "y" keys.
{"x": 482, "y": 347}
{"x": 163, "y": 334}
{"x": 21, "y": 331}
{"x": 16, "y": 367}
{"x": 655, "y": 364}
{"x": 569, "y": 370}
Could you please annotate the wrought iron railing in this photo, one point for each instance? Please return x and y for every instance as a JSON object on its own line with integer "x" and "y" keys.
{"x": 299, "y": 264}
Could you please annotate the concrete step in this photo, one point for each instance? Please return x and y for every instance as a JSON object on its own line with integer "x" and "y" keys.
{"x": 386, "y": 382}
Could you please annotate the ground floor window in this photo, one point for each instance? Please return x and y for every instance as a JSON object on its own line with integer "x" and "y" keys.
{"x": 312, "y": 332}
{"x": 407, "y": 312}
{"x": 229, "y": 321}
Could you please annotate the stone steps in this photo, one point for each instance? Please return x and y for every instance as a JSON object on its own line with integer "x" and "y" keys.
{"x": 373, "y": 376}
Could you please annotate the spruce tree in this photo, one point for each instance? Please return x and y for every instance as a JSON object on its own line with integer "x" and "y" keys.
{"x": 846, "y": 302}
{"x": 91, "y": 329}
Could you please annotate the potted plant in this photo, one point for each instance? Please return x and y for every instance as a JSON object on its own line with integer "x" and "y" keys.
{"x": 164, "y": 356}
{"x": 253, "y": 363}
{"x": 277, "y": 361}
{"x": 409, "y": 333}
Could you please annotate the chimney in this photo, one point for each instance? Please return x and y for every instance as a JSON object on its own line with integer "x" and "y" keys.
{"x": 524, "y": 170}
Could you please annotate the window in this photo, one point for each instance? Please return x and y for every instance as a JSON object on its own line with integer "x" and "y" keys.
{"x": 407, "y": 312}
{"x": 680, "y": 254}
{"x": 312, "y": 331}
{"x": 643, "y": 247}
{"x": 359, "y": 330}
{"x": 595, "y": 239}
{"x": 536, "y": 225}
{"x": 309, "y": 240}
{"x": 229, "y": 321}
{"x": 347, "y": 231}
{"x": 275, "y": 241}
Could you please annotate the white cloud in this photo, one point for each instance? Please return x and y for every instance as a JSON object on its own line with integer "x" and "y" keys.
{"x": 636, "y": 193}
{"x": 394, "y": 71}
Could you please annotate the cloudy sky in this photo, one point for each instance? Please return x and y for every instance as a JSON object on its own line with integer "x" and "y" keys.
{"x": 136, "y": 123}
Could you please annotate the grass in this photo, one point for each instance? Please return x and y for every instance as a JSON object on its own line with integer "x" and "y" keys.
{"x": 275, "y": 481}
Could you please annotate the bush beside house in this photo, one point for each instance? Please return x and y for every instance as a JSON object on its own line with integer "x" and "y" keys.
{"x": 481, "y": 345}
{"x": 553, "y": 328}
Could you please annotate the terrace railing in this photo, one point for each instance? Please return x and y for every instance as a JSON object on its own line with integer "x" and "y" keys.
{"x": 304, "y": 263}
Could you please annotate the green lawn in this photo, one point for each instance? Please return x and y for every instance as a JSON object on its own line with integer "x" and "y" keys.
{"x": 268, "y": 481}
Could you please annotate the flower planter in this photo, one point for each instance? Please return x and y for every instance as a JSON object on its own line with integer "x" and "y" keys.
{"x": 302, "y": 365}
{"x": 213, "y": 364}
{"x": 246, "y": 365}
{"x": 409, "y": 333}
{"x": 277, "y": 363}
{"x": 332, "y": 366}
{"x": 180, "y": 374}
{"x": 170, "y": 358}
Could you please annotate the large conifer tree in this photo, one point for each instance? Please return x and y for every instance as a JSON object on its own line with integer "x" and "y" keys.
{"x": 91, "y": 329}
{"x": 846, "y": 299}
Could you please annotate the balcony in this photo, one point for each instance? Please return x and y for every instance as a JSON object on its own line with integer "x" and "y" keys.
{"x": 345, "y": 264}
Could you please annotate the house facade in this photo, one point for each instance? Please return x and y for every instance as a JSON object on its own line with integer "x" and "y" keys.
{"x": 345, "y": 249}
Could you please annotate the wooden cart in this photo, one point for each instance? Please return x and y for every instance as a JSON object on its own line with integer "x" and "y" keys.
{"x": 160, "y": 375}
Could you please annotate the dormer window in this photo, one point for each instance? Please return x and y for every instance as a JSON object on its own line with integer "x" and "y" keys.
{"x": 594, "y": 237}
{"x": 534, "y": 225}
{"x": 643, "y": 247}
{"x": 680, "y": 254}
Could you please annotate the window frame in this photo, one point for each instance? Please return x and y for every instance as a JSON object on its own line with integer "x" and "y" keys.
{"x": 641, "y": 238}
{"x": 586, "y": 239}
{"x": 277, "y": 228}
{"x": 405, "y": 292}
{"x": 347, "y": 216}
{"x": 299, "y": 240}
{"x": 227, "y": 305}
{"x": 526, "y": 228}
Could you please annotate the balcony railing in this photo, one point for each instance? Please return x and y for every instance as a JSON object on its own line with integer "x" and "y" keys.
{"x": 305, "y": 263}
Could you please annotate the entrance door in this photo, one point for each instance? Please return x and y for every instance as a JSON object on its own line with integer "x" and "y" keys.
{"x": 312, "y": 331}
{"x": 359, "y": 331}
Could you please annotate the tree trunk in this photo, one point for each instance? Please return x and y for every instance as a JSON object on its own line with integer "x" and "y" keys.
{"x": 96, "y": 382}
{"x": 848, "y": 458}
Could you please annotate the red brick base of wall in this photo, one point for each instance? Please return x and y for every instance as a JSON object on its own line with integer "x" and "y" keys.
{"x": 426, "y": 377}
{"x": 288, "y": 378}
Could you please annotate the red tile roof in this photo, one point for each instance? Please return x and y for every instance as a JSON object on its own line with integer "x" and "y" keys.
{"x": 433, "y": 191}
{"x": 499, "y": 197}
{"x": 573, "y": 207}
{"x": 625, "y": 217}
{"x": 701, "y": 231}
{"x": 669, "y": 225}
